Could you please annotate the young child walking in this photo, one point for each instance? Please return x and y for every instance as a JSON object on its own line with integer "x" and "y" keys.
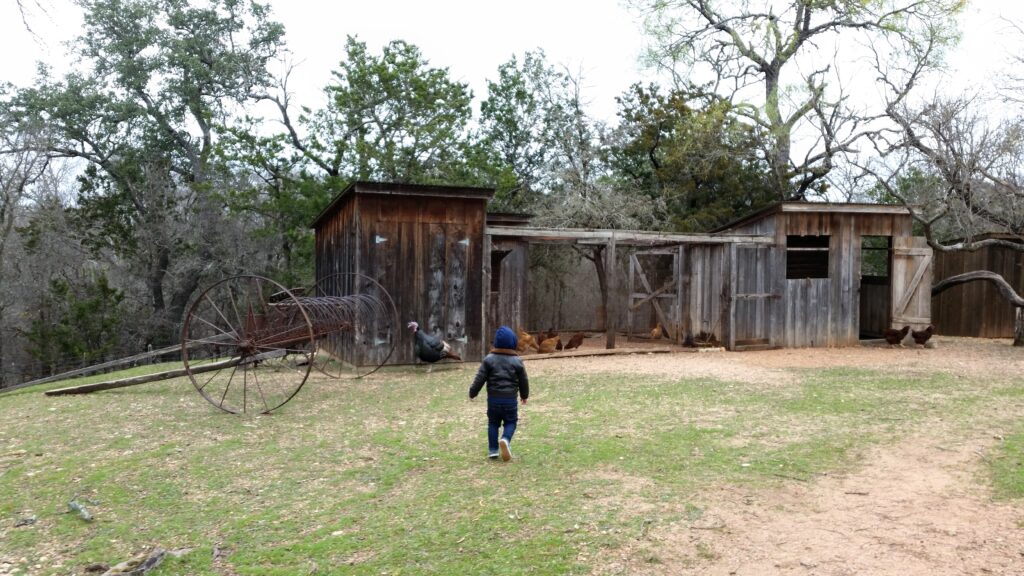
{"x": 503, "y": 372}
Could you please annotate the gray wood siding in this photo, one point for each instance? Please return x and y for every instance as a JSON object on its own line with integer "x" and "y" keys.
{"x": 827, "y": 311}
{"x": 976, "y": 309}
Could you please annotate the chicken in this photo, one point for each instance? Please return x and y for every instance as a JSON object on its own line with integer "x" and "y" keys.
{"x": 429, "y": 348}
{"x": 575, "y": 341}
{"x": 548, "y": 346}
{"x": 525, "y": 341}
{"x": 656, "y": 332}
{"x": 921, "y": 336}
{"x": 895, "y": 337}
{"x": 546, "y": 335}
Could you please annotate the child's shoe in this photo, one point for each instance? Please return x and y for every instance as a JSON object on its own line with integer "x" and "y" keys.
{"x": 506, "y": 450}
{"x": 492, "y": 455}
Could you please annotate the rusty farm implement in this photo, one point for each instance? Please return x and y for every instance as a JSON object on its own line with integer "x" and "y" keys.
{"x": 248, "y": 344}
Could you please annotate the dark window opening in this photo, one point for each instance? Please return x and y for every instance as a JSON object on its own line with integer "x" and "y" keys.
{"x": 806, "y": 257}
{"x": 875, "y": 261}
{"x": 496, "y": 257}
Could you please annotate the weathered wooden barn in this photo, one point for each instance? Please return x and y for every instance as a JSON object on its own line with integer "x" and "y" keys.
{"x": 424, "y": 245}
{"x": 976, "y": 309}
{"x": 791, "y": 275}
{"x": 835, "y": 273}
{"x": 795, "y": 274}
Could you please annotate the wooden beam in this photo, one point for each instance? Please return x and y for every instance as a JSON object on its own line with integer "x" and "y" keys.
{"x": 95, "y": 368}
{"x": 657, "y": 293}
{"x": 625, "y": 237}
{"x": 144, "y": 379}
{"x": 598, "y": 352}
{"x": 611, "y": 307}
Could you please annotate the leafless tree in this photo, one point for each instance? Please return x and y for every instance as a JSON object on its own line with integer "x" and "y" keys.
{"x": 23, "y": 161}
{"x": 958, "y": 168}
{"x": 776, "y": 46}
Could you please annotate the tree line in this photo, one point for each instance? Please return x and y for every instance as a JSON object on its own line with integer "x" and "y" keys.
{"x": 174, "y": 154}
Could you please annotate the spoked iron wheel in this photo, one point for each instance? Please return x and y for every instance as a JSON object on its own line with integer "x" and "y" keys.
{"x": 368, "y": 326}
{"x": 247, "y": 345}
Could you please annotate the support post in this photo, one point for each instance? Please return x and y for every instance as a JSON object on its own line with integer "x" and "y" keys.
{"x": 611, "y": 308}
{"x": 485, "y": 304}
{"x": 1018, "y": 328}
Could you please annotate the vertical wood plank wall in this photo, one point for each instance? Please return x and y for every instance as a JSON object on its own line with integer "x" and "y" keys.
{"x": 426, "y": 251}
{"x": 816, "y": 312}
{"x": 976, "y": 309}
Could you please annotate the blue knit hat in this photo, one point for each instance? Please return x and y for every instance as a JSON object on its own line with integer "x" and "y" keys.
{"x": 505, "y": 338}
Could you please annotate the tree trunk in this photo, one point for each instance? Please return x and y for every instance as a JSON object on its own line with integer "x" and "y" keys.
{"x": 602, "y": 283}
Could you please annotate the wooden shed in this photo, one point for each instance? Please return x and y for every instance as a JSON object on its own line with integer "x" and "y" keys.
{"x": 977, "y": 309}
{"x": 791, "y": 275}
{"x": 835, "y": 273}
{"x": 424, "y": 245}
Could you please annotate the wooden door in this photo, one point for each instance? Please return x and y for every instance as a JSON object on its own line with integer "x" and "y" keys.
{"x": 755, "y": 303}
{"x": 644, "y": 292}
{"x": 911, "y": 282}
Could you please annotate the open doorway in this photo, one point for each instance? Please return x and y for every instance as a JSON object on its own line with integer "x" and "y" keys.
{"x": 875, "y": 285}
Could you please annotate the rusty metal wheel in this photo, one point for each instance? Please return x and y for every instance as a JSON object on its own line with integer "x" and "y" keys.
{"x": 373, "y": 331}
{"x": 247, "y": 344}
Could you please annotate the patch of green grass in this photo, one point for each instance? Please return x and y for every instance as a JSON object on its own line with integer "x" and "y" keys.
{"x": 1007, "y": 467}
{"x": 389, "y": 474}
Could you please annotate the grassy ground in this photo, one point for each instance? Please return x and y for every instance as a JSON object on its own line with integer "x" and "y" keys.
{"x": 389, "y": 475}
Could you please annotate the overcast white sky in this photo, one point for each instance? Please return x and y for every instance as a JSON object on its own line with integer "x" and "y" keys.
{"x": 600, "y": 39}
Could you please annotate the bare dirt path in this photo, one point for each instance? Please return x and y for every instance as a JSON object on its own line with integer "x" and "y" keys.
{"x": 919, "y": 507}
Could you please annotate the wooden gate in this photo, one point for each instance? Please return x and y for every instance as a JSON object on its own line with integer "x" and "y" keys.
{"x": 668, "y": 293}
{"x": 911, "y": 282}
{"x": 755, "y": 310}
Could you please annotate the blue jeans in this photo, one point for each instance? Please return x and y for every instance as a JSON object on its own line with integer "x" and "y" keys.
{"x": 501, "y": 411}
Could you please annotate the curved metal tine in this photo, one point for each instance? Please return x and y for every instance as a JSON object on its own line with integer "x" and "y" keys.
{"x": 268, "y": 339}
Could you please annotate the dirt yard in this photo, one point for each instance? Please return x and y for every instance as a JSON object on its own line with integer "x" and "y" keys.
{"x": 920, "y": 507}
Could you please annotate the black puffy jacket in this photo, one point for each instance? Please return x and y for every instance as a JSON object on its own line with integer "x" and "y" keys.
{"x": 504, "y": 374}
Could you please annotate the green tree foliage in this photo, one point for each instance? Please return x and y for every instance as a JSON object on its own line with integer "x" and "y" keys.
{"x": 280, "y": 198}
{"x": 158, "y": 82}
{"x": 390, "y": 117}
{"x": 76, "y": 323}
{"x": 691, "y": 150}
{"x": 517, "y": 128}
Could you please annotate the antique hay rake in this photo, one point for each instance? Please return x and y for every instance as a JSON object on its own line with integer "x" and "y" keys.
{"x": 248, "y": 344}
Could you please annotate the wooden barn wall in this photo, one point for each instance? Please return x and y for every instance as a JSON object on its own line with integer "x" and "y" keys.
{"x": 335, "y": 253}
{"x": 427, "y": 253}
{"x": 826, "y": 311}
{"x": 508, "y": 305}
{"x": 976, "y": 309}
{"x": 704, "y": 271}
